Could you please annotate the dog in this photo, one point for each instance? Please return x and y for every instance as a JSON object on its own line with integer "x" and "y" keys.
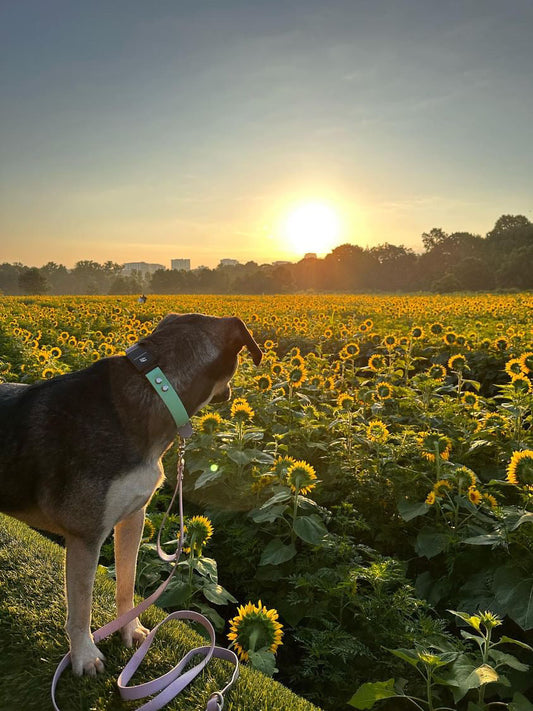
{"x": 80, "y": 454}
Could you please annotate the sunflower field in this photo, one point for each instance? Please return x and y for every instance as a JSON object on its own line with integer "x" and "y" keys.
{"x": 360, "y": 514}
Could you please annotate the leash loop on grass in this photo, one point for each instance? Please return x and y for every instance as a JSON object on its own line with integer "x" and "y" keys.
{"x": 173, "y": 682}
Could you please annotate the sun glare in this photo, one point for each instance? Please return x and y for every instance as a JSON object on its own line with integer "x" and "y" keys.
{"x": 311, "y": 227}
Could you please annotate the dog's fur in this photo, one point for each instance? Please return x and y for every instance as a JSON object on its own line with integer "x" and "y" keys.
{"x": 81, "y": 454}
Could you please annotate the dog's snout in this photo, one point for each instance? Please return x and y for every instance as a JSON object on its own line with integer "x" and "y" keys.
{"x": 223, "y": 396}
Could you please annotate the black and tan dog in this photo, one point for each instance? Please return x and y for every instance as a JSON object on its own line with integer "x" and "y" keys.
{"x": 81, "y": 454}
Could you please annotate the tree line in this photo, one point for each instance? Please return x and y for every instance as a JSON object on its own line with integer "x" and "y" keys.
{"x": 459, "y": 261}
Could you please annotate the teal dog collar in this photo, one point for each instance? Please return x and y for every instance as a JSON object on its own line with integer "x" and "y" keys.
{"x": 145, "y": 364}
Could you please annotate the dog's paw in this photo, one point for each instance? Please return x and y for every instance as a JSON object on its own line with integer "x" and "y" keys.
{"x": 133, "y": 633}
{"x": 87, "y": 659}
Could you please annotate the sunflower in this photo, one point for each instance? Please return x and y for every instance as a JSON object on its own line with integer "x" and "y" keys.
{"x": 377, "y": 431}
{"x": 470, "y": 400}
{"x": 281, "y": 466}
{"x": 389, "y": 341}
{"x": 48, "y": 373}
{"x": 345, "y": 401}
{"x": 297, "y": 361}
{"x": 255, "y": 628}
{"x": 526, "y": 361}
{"x": 277, "y": 369}
{"x": 301, "y": 477}
{"x": 264, "y": 382}
{"x": 449, "y": 338}
{"x": 241, "y": 410}
{"x": 384, "y": 391}
{"x": 430, "y": 498}
{"x": 297, "y": 377}
{"x": 501, "y": 344}
{"x": 520, "y": 468}
{"x": 521, "y": 384}
{"x": 457, "y": 363}
{"x": 417, "y": 332}
{"x": 491, "y": 500}
{"x": 200, "y": 530}
{"x": 436, "y": 328}
{"x": 437, "y": 372}
{"x": 474, "y": 495}
{"x": 430, "y": 442}
{"x": 441, "y": 486}
{"x": 209, "y": 423}
{"x": 513, "y": 367}
{"x": 376, "y": 362}
{"x": 55, "y": 352}
{"x": 269, "y": 344}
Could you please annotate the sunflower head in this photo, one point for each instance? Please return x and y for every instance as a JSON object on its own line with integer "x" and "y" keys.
{"x": 281, "y": 466}
{"x": 437, "y": 372}
{"x": 513, "y": 367}
{"x": 255, "y": 628}
{"x": 241, "y": 410}
{"x": 301, "y": 477}
{"x": 389, "y": 341}
{"x": 436, "y": 328}
{"x": 432, "y": 442}
{"x": 199, "y": 530}
{"x": 376, "y": 362}
{"x": 384, "y": 391}
{"x": 526, "y": 361}
{"x": 297, "y": 376}
{"x": 209, "y": 423}
{"x": 263, "y": 382}
{"x": 521, "y": 384}
{"x": 457, "y": 363}
{"x": 417, "y": 332}
{"x": 377, "y": 431}
{"x": 470, "y": 400}
{"x": 520, "y": 468}
{"x": 345, "y": 401}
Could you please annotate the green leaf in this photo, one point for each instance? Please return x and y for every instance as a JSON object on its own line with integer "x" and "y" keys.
{"x": 430, "y": 542}
{"x": 278, "y": 498}
{"x": 217, "y": 594}
{"x": 515, "y": 594}
{"x": 310, "y": 529}
{"x": 367, "y": 694}
{"x": 268, "y": 515}
{"x": 277, "y": 552}
{"x": 264, "y": 661}
{"x": 208, "y": 477}
{"x": 525, "y": 518}
{"x": 207, "y": 567}
{"x": 520, "y": 703}
{"x": 409, "y": 510}
{"x": 507, "y": 659}
{"x": 487, "y": 539}
{"x": 241, "y": 457}
{"x": 509, "y": 640}
{"x": 408, "y": 655}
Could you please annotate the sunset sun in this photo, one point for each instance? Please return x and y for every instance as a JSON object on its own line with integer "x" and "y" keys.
{"x": 311, "y": 227}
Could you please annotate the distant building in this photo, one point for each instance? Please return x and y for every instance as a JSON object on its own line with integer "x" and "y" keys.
{"x": 280, "y": 263}
{"x": 142, "y": 267}
{"x": 228, "y": 262}
{"x": 181, "y": 264}
{"x": 310, "y": 255}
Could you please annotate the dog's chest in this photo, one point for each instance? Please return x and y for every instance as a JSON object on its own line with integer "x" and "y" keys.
{"x": 131, "y": 492}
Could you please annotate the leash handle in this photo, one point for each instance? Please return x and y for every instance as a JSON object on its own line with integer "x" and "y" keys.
{"x": 173, "y": 682}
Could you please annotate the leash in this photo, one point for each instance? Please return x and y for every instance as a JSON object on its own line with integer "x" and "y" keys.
{"x": 173, "y": 682}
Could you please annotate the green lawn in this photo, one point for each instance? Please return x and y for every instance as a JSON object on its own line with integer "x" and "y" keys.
{"x": 32, "y": 639}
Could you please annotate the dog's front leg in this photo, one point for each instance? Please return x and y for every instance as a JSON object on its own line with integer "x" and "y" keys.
{"x": 128, "y": 534}
{"x": 82, "y": 559}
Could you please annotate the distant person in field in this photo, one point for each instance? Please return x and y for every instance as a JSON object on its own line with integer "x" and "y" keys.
{"x": 141, "y": 299}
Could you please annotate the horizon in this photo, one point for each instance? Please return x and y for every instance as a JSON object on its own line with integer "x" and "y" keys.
{"x": 259, "y": 132}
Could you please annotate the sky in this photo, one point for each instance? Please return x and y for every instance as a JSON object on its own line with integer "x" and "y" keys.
{"x": 147, "y": 130}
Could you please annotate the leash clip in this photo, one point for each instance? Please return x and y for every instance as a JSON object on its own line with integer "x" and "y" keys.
{"x": 218, "y": 698}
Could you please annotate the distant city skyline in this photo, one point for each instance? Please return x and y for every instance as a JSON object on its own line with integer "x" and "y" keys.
{"x": 135, "y": 131}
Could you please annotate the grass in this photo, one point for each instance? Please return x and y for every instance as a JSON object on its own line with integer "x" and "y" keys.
{"x": 32, "y": 639}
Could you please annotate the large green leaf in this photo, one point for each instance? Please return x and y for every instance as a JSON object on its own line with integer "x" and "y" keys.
{"x": 277, "y": 552}
{"x": 430, "y": 542}
{"x": 310, "y": 529}
{"x": 367, "y": 694}
{"x": 217, "y": 594}
{"x": 268, "y": 515}
{"x": 208, "y": 477}
{"x": 515, "y": 594}
{"x": 409, "y": 510}
{"x": 520, "y": 703}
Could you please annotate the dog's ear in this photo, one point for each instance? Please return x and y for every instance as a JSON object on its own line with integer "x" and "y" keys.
{"x": 239, "y": 336}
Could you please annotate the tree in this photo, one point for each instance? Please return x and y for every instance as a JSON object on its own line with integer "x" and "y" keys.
{"x": 31, "y": 281}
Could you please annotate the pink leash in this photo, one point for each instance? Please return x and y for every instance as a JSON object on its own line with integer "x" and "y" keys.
{"x": 170, "y": 684}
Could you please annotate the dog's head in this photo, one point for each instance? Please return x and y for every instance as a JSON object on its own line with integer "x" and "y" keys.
{"x": 200, "y": 355}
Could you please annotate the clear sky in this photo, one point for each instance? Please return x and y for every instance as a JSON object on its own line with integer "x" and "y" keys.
{"x": 156, "y": 129}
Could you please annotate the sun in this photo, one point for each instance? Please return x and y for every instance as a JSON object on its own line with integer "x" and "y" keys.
{"x": 311, "y": 227}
